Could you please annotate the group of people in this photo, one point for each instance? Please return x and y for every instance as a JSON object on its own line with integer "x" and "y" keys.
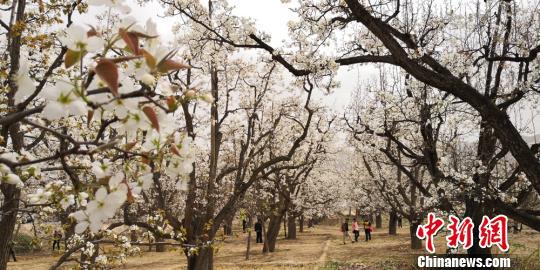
{"x": 356, "y": 230}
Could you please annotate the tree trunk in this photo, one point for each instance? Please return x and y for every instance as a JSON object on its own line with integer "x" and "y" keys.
{"x": 378, "y": 221}
{"x": 392, "y": 223}
{"x": 11, "y": 193}
{"x": 476, "y": 210}
{"x": 285, "y": 225}
{"x": 272, "y": 233}
{"x": 291, "y": 227}
{"x": 133, "y": 236}
{"x": 516, "y": 227}
{"x": 301, "y": 224}
{"x": 7, "y": 224}
{"x": 265, "y": 241}
{"x": 204, "y": 260}
{"x": 248, "y": 245}
{"x": 159, "y": 247}
{"x": 416, "y": 243}
{"x": 228, "y": 226}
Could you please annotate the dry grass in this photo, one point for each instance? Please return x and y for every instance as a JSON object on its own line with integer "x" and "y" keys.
{"x": 306, "y": 253}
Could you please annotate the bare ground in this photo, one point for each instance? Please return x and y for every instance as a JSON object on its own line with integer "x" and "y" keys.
{"x": 317, "y": 248}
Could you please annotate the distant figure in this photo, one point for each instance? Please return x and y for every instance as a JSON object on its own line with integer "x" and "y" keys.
{"x": 244, "y": 225}
{"x": 258, "y": 230}
{"x": 367, "y": 229}
{"x": 57, "y": 236}
{"x": 345, "y": 231}
{"x": 12, "y": 251}
{"x": 400, "y": 222}
{"x": 355, "y": 230}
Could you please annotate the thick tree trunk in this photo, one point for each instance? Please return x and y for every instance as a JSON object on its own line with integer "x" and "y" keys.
{"x": 476, "y": 211}
{"x": 11, "y": 193}
{"x": 392, "y": 223}
{"x": 378, "y": 221}
{"x": 301, "y": 224}
{"x": 228, "y": 226}
{"x": 204, "y": 260}
{"x": 272, "y": 233}
{"x": 7, "y": 224}
{"x": 416, "y": 243}
{"x": 291, "y": 227}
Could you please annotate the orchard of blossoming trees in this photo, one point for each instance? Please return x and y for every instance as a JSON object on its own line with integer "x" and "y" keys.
{"x": 122, "y": 139}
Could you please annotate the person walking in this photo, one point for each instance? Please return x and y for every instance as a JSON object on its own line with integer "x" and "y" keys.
{"x": 57, "y": 236}
{"x": 355, "y": 230}
{"x": 244, "y": 225}
{"x": 345, "y": 231}
{"x": 400, "y": 221}
{"x": 258, "y": 230}
{"x": 367, "y": 229}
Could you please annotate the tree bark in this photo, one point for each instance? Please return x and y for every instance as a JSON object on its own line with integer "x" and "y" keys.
{"x": 301, "y": 224}
{"x": 204, "y": 260}
{"x": 285, "y": 225}
{"x": 476, "y": 210}
{"x": 291, "y": 227}
{"x": 392, "y": 223}
{"x": 248, "y": 244}
{"x": 416, "y": 243}
{"x": 272, "y": 233}
{"x": 378, "y": 221}
{"x": 11, "y": 193}
{"x": 228, "y": 226}
{"x": 7, "y": 224}
{"x": 160, "y": 247}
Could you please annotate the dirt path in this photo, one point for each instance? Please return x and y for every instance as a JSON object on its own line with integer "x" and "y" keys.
{"x": 314, "y": 248}
{"x": 324, "y": 254}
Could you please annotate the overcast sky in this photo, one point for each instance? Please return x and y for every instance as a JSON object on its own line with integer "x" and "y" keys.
{"x": 271, "y": 16}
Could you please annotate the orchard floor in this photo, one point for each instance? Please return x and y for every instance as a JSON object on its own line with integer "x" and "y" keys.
{"x": 317, "y": 248}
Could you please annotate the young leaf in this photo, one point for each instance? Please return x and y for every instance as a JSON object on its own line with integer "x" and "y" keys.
{"x": 123, "y": 58}
{"x": 152, "y": 116}
{"x": 150, "y": 59}
{"x": 174, "y": 150}
{"x": 171, "y": 103}
{"x": 142, "y": 35}
{"x": 131, "y": 40}
{"x": 92, "y": 32}
{"x": 108, "y": 72}
{"x": 71, "y": 58}
{"x": 167, "y": 65}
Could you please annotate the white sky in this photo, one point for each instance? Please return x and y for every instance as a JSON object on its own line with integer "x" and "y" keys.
{"x": 271, "y": 16}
